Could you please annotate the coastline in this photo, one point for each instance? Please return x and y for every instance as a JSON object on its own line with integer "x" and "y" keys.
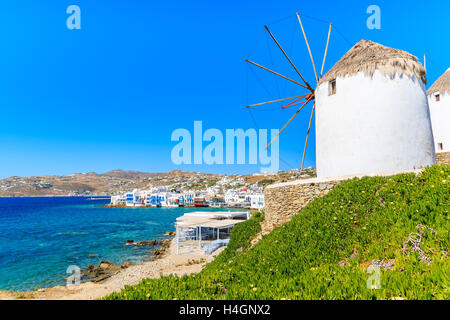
{"x": 54, "y": 196}
{"x": 150, "y": 207}
{"x": 96, "y": 270}
{"x": 169, "y": 262}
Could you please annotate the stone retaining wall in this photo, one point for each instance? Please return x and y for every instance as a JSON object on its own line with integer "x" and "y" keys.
{"x": 443, "y": 158}
{"x": 283, "y": 200}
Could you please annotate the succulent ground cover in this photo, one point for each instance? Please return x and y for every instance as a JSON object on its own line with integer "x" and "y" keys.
{"x": 369, "y": 238}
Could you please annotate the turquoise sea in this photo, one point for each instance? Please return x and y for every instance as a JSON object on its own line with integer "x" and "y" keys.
{"x": 41, "y": 237}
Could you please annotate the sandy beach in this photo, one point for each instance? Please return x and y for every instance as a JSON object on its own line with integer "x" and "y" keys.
{"x": 169, "y": 263}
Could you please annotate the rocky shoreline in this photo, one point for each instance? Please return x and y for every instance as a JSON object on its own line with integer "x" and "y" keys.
{"x": 165, "y": 263}
{"x": 106, "y": 269}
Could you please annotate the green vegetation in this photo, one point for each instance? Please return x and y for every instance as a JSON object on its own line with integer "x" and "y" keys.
{"x": 211, "y": 182}
{"x": 266, "y": 182}
{"x": 324, "y": 252}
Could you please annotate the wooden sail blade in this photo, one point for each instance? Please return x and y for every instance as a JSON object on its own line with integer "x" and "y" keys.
{"x": 295, "y": 114}
{"x": 290, "y": 61}
{"x": 267, "y": 102}
{"x": 280, "y": 75}
{"x": 307, "y": 135}
{"x": 293, "y": 104}
{"x": 307, "y": 44}
{"x": 326, "y": 50}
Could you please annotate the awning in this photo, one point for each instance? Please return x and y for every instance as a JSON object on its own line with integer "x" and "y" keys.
{"x": 220, "y": 223}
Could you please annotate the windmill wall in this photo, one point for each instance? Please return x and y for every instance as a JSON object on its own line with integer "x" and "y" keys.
{"x": 283, "y": 200}
{"x": 440, "y": 122}
{"x": 372, "y": 124}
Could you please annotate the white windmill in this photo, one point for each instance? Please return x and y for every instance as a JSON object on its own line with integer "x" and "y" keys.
{"x": 439, "y": 102}
{"x": 372, "y": 112}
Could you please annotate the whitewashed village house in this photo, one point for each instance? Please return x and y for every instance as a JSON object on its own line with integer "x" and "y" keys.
{"x": 372, "y": 114}
{"x": 439, "y": 103}
{"x": 257, "y": 201}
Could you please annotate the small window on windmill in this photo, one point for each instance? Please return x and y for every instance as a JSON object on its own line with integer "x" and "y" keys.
{"x": 332, "y": 87}
{"x": 437, "y": 96}
{"x": 440, "y": 146}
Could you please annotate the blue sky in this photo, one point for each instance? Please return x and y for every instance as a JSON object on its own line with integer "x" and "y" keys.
{"x": 109, "y": 95}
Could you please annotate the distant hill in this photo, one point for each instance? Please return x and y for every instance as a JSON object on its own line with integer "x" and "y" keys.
{"x": 118, "y": 173}
{"x": 119, "y": 181}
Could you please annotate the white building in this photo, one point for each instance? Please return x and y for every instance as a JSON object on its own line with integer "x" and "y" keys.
{"x": 257, "y": 201}
{"x": 372, "y": 114}
{"x": 173, "y": 200}
{"x": 133, "y": 199}
{"x": 231, "y": 196}
{"x": 439, "y": 102}
{"x": 187, "y": 198}
{"x": 207, "y": 231}
{"x": 238, "y": 197}
{"x": 117, "y": 200}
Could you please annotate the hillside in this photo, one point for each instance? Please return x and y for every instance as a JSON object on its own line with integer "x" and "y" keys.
{"x": 399, "y": 224}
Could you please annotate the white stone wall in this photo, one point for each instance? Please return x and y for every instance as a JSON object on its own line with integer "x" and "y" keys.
{"x": 372, "y": 125}
{"x": 440, "y": 121}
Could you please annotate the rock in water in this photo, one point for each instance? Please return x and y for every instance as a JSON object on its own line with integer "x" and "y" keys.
{"x": 146, "y": 243}
{"x": 108, "y": 265}
{"x": 101, "y": 277}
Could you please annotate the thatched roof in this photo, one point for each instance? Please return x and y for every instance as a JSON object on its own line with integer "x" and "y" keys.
{"x": 442, "y": 84}
{"x": 367, "y": 56}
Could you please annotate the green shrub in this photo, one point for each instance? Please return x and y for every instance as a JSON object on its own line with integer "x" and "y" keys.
{"x": 324, "y": 251}
{"x": 266, "y": 182}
